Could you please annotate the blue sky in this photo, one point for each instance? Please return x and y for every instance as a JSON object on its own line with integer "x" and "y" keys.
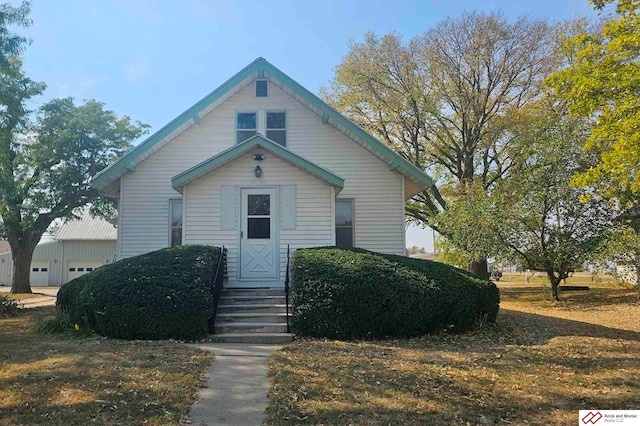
{"x": 151, "y": 60}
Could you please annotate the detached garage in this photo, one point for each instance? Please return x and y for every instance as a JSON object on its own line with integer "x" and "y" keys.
{"x": 79, "y": 247}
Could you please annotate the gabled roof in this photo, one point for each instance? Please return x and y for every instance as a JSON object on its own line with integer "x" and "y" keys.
{"x": 257, "y": 141}
{"x": 258, "y": 68}
{"x": 87, "y": 228}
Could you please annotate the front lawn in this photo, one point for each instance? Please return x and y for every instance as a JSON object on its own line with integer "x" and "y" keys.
{"x": 541, "y": 363}
{"x": 46, "y": 379}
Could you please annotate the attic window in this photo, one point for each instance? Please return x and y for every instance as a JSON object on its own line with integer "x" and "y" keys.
{"x": 261, "y": 88}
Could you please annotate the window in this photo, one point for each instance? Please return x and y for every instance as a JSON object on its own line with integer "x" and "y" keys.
{"x": 89, "y": 269}
{"x": 277, "y": 127}
{"x": 34, "y": 269}
{"x": 175, "y": 221}
{"x": 44, "y": 269}
{"x": 261, "y": 89}
{"x": 258, "y": 216}
{"x": 72, "y": 269}
{"x": 344, "y": 223}
{"x": 246, "y": 126}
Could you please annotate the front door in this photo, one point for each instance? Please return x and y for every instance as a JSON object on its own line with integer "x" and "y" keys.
{"x": 258, "y": 249}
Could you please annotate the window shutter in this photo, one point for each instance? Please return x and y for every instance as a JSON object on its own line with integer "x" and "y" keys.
{"x": 227, "y": 208}
{"x": 288, "y": 207}
{"x": 261, "y": 88}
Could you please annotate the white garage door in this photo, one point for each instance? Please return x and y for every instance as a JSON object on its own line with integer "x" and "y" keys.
{"x": 78, "y": 268}
{"x": 39, "y": 273}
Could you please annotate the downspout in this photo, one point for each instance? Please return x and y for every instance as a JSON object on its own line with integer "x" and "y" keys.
{"x": 62, "y": 267}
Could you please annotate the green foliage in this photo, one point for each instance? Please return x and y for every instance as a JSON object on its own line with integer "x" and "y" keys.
{"x": 603, "y": 84}
{"x": 72, "y": 298}
{"x": 165, "y": 294}
{"x": 59, "y": 323}
{"x": 9, "y": 307}
{"x": 46, "y": 164}
{"x": 354, "y": 293}
{"x": 444, "y": 99}
{"x": 536, "y": 218}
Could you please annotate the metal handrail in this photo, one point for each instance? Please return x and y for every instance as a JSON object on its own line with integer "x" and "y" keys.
{"x": 286, "y": 288}
{"x": 217, "y": 284}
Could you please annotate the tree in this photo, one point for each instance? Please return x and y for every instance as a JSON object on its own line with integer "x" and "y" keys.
{"x": 603, "y": 83}
{"x": 443, "y": 100}
{"x": 46, "y": 165}
{"x": 416, "y": 250}
{"x": 51, "y": 169}
{"x": 537, "y": 217}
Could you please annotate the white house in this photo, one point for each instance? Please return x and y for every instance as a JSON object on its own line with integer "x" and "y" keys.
{"x": 259, "y": 164}
{"x": 80, "y": 246}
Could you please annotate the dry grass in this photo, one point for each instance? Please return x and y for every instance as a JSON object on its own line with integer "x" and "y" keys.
{"x": 23, "y": 296}
{"x": 51, "y": 380}
{"x": 541, "y": 363}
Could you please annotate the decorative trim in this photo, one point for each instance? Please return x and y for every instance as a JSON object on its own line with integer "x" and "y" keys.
{"x": 260, "y": 67}
{"x": 257, "y": 141}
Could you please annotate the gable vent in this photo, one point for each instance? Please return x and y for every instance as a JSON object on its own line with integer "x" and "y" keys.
{"x": 261, "y": 88}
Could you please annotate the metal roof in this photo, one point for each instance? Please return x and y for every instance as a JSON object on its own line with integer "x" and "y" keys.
{"x": 87, "y": 228}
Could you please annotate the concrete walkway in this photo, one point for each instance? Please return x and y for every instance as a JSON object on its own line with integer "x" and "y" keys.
{"x": 237, "y": 385}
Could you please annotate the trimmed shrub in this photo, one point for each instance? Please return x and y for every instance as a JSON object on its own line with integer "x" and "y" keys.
{"x": 71, "y": 300}
{"x": 159, "y": 295}
{"x": 355, "y": 293}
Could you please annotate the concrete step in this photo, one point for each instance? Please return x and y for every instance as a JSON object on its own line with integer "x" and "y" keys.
{"x": 250, "y": 327}
{"x": 272, "y": 317}
{"x": 252, "y": 300}
{"x": 257, "y": 338}
{"x": 252, "y": 292}
{"x": 251, "y": 308}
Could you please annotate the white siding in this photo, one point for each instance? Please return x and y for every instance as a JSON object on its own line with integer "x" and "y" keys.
{"x": 313, "y": 206}
{"x": 377, "y": 191}
{"x": 58, "y": 254}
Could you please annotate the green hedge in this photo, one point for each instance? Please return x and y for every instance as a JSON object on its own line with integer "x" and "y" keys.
{"x": 355, "y": 293}
{"x": 159, "y": 295}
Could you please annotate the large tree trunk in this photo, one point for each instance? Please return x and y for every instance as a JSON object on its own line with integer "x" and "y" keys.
{"x": 22, "y": 270}
{"x": 479, "y": 267}
{"x": 555, "y": 284}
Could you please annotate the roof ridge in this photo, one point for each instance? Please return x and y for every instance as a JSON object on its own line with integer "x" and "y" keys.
{"x": 260, "y": 65}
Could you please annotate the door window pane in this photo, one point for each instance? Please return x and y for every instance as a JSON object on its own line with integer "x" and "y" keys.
{"x": 258, "y": 227}
{"x": 258, "y": 204}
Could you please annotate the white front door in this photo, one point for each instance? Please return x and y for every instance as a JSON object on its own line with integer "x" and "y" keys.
{"x": 258, "y": 242}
